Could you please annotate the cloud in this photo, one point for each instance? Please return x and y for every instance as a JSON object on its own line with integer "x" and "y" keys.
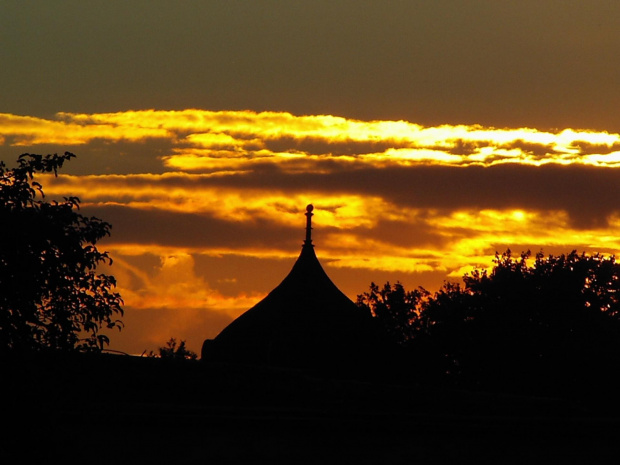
{"x": 224, "y": 141}
{"x": 588, "y": 194}
{"x": 161, "y": 227}
{"x": 226, "y": 198}
{"x": 29, "y": 130}
{"x": 391, "y": 199}
{"x": 174, "y": 284}
{"x": 172, "y": 301}
{"x": 254, "y": 208}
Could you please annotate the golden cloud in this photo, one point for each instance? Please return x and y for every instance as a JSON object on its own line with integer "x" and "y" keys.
{"x": 207, "y": 149}
{"x": 212, "y": 141}
{"x": 174, "y": 285}
{"x": 231, "y": 204}
{"x": 28, "y": 130}
{"x": 461, "y": 230}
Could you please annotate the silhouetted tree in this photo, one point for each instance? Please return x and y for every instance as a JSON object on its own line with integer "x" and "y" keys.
{"x": 396, "y": 309}
{"x": 542, "y": 325}
{"x": 171, "y": 351}
{"x": 50, "y": 293}
{"x": 554, "y": 320}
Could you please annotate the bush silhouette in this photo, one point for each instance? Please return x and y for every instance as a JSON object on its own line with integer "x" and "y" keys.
{"x": 172, "y": 351}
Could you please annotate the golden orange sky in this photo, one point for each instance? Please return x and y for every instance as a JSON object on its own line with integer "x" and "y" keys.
{"x": 428, "y": 135}
{"x": 215, "y": 220}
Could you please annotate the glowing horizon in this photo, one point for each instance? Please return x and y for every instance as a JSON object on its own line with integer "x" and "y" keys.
{"x": 212, "y": 217}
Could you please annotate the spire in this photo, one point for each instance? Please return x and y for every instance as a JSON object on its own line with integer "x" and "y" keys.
{"x": 309, "y": 214}
{"x": 304, "y": 322}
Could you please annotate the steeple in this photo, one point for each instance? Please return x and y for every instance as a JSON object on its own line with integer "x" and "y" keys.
{"x": 309, "y": 214}
{"x": 305, "y": 320}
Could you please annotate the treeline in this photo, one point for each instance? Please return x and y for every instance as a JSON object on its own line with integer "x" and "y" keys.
{"x": 533, "y": 324}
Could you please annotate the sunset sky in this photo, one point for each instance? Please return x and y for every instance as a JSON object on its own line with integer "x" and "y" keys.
{"x": 427, "y": 134}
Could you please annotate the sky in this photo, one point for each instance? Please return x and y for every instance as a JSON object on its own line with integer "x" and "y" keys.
{"x": 427, "y": 134}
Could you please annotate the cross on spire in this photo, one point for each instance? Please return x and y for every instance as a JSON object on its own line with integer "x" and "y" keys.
{"x": 309, "y": 214}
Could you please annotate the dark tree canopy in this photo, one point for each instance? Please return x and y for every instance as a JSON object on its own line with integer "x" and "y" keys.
{"x": 396, "y": 309}
{"x": 530, "y": 320}
{"x": 50, "y": 293}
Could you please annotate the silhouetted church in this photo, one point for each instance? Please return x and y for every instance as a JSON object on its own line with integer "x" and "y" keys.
{"x": 305, "y": 322}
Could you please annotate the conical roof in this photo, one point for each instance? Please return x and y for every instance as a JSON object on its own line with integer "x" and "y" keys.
{"x": 305, "y": 320}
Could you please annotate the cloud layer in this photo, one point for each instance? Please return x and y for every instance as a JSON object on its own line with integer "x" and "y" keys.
{"x": 207, "y": 206}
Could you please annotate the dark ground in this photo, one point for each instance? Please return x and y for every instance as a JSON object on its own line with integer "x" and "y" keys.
{"x": 119, "y": 409}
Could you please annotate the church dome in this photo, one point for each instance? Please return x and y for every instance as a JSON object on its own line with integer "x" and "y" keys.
{"x": 305, "y": 321}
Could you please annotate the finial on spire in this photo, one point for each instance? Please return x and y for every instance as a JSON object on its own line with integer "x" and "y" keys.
{"x": 309, "y": 214}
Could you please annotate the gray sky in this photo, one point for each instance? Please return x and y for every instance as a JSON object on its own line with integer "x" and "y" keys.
{"x": 541, "y": 63}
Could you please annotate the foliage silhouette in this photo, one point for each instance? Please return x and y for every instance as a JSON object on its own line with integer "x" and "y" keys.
{"x": 50, "y": 294}
{"x": 396, "y": 309}
{"x": 171, "y": 351}
{"x": 553, "y": 323}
